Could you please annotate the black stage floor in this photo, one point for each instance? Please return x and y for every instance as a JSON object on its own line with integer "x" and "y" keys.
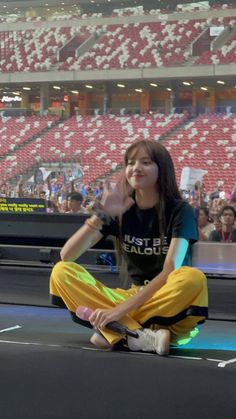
{"x": 48, "y": 368}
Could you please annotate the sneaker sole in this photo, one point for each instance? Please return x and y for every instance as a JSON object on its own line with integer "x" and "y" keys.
{"x": 163, "y": 348}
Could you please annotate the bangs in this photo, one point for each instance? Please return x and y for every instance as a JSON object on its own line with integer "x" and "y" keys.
{"x": 133, "y": 150}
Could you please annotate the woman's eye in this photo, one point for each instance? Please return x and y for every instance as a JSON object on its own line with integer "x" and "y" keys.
{"x": 145, "y": 162}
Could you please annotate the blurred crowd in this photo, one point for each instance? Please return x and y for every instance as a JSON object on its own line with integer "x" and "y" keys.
{"x": 215, "y": 211}
{"x": 59, "y": 197}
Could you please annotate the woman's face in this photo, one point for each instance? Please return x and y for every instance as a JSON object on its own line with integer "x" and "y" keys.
{"x": 141, "y": 172}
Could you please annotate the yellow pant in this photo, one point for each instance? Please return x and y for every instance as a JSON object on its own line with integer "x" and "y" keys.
{"x": 179, "y": 305}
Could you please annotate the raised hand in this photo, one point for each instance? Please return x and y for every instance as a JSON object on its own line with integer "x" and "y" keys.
{"x": 116, "y": 199}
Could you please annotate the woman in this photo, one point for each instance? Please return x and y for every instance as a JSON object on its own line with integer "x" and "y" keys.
{"x": 205, "y": 226}
{"x": 155, "y": 229}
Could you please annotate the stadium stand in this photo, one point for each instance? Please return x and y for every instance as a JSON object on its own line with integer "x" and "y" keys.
{"x": 225, "y": 55}
{"x": 159, "y": 44}
{"x": 16, "y": 131}
{"x": 163, "y": 43}
{"x": 97, "y": 142}
{"x": 32, "y": 50}
{"x": 208, "y": 142}
{"x": 132, "y": 11}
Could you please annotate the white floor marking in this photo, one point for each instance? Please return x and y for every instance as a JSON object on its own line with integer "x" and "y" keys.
{"x": 94, "y": 349}
{"x": 224, "y": 363}
{"x": 153, "y": 354}
{"x": 11, "y": 328}
{"x": 30, "y": 343}
{"x": 221, "y": 363}
{"x": 184, "y": 357}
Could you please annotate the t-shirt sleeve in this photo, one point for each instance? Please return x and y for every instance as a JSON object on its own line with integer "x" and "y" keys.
{"x": 185, "y": 224}
{"x": 111, "y": 229}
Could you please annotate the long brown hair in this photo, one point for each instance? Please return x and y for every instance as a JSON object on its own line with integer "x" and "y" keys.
{"x": 166, "y": 183}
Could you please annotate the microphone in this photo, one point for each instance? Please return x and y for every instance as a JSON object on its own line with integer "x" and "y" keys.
{"x": 85, "y": 312}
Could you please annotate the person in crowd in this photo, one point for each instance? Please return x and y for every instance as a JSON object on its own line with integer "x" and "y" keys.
{"x": 99, "y": 189}
{"x": 75, "y": 200}
{"x": 227, "y": 232}
{"x": 218, "y": 192}
{"x": 205, "y": 224}
{"x": 198, "y": 195}
{"x": 51, "y": 206}
{"x": 214, "y": 209}
{"x": 155, "y": 229}
{"x": 63, "y": 205}
{"x": 42, "y": 195}
{"x": 6, "y": 191}
{"x": 233, "y": 192}
{"x": 233, "y": 204}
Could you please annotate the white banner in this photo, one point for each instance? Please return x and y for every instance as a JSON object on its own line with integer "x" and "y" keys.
{"x": 189, "y": 177}
{"x": 216, "y": 30}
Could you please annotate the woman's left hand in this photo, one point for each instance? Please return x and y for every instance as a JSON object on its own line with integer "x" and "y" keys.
{"x": 116, "y": 199}
{"x": 100, "y": 317}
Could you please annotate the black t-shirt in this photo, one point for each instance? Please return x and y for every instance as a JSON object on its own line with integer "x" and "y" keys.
{"x": 141, "y": 238}
{"x": 218, "y": 236}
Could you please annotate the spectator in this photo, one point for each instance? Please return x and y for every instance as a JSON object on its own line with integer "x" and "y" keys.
{"x": 214, "y": 209}
{"x": 51, "y": 206}
{"x": 227, "y": 233}
{"x": 218, "y": 192}
{"x": 233, "y": 192}
{"x": 63, "y": 205}
{"x": 75, "y": 200}
{"x": 99, "y": 190}
{"x": 233, "y": 204}
{"x": 205, "y": 226}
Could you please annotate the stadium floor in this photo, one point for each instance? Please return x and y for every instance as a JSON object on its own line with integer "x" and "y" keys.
{"x": 49, "y": 369}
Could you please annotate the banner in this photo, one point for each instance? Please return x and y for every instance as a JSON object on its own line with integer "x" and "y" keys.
{"x": 22, "y": 205}
{"x": 216, "y": 30}
{"x": 189, "y": 177}
{"x": 75, "y": 173}
{"x": 40, "y": 176}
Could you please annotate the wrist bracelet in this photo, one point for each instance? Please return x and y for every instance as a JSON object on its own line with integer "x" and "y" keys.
{"x": 92, "y": 224}
{"x": 106, "y": 219}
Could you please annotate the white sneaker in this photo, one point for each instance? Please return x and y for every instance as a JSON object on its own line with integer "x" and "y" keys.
{"x": 151, "y": 341}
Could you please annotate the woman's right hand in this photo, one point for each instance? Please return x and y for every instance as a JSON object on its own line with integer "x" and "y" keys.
{"x": 116, "y": 199}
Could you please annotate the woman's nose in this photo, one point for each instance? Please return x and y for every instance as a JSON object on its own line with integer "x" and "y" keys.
{"x": 136, "y": 165}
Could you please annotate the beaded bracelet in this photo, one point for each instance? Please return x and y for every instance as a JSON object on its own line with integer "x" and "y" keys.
{"x": 92, "y": 224}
